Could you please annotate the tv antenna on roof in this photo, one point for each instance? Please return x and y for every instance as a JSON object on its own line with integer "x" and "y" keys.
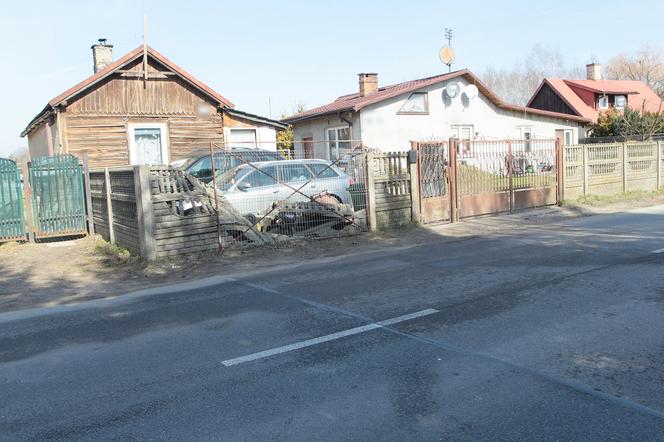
{"x": 446, "y": 53}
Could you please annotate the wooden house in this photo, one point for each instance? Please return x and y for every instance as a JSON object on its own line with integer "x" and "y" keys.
{"x": 142, "y": 109}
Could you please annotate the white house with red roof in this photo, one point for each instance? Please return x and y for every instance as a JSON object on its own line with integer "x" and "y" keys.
{"x": 388, "y": 118}
{"x": 588, "y": 98}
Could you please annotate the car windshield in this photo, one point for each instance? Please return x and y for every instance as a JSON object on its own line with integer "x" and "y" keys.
{"x": 232, "y": 176}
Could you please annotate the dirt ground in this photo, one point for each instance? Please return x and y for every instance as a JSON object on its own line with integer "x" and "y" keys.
{"x": 76, "y": 270}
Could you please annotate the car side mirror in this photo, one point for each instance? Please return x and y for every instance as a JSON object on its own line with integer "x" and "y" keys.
{"x": 244, "y": 187}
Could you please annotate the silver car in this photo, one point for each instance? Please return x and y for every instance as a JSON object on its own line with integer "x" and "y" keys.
{"x": 253, "y": 188}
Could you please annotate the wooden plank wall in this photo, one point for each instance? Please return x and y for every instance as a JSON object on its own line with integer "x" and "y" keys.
{"x": 97, "y": 121}
{"x": 392, "y": 187}
{"x": 105, "y": 137}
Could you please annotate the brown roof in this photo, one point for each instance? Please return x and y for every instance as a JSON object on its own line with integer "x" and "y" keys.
{"x": 118, "y": 64}
{"x": 354, "y": 102}
{"x": 639, "y": 95}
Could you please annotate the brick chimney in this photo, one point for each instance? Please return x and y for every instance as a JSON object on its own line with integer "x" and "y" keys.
{"x": 368, "y": 84}
{"x": 102, "y": 54}
{"x": 594, "y": 71}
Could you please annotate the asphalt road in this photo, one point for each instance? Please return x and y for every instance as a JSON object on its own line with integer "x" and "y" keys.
{"x": 552, "y": 332}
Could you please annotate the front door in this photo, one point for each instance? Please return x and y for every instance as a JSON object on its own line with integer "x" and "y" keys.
{"x": 148, "y": 144}
{"x": 308, "y": 145}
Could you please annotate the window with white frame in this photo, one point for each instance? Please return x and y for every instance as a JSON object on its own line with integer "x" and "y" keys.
{"x": 620, "y": 102}
{"x": 569, "y": 137}
{"x": 526, "y": 133}
{"x": 242, "y": 138}
{"x": 148, "y": 143}
{"x": 338, "y": 142}
{"x": 463, "y": 133}
{"x": 603, "y": 102}
{"x": 417, "y": 103}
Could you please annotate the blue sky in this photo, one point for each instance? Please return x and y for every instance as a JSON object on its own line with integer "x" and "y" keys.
{"x": 285, "y": 52}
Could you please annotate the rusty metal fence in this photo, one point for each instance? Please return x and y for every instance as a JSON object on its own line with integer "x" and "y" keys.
{"x": 461, "y": 179}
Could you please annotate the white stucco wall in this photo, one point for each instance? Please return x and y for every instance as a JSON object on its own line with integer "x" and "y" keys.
{"x": 38, "y": 142}
{"x": 266, "y": 136}
{"x": 317, "y": 129}
{"x": 381, "y": 126}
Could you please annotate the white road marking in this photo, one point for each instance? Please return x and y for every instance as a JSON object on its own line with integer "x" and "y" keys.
{"x": 658, "y": 251}
{"x": 326, "y": 338}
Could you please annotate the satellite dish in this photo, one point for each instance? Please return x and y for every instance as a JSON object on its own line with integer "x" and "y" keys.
{"x": 471, "y": 91}
{"x": 446, "y": 55}
{"x": 452, "y": 90}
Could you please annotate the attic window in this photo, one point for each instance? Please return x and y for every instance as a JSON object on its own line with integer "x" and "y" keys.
{"x": 603, "y": 102}
{"x": 417, "y": 103}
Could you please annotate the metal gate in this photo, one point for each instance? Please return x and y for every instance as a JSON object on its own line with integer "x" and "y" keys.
{"x": 460, "y": 179}
{"x": 12, "y": 224}
{"x": 503, "y": 176}
{"x": 58, "y": 198}
{"x": 433, "y": 164}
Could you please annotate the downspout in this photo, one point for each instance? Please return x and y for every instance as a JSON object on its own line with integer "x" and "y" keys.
{"x": 350, "y": 129}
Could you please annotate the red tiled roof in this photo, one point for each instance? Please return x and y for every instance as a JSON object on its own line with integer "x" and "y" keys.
{"x": 118, "y": 64}
{"x": 354, "y": 102}
{"x": 639, "y": 95}
{"x": 606, "y": 86}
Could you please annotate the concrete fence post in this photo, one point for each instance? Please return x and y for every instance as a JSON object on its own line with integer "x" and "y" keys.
{"x": 585, "y": 169}
{"x": 414, "y": 171}
{"x": 560, "y": 171}
{"x": 371, "y": 193}
{"x": 659, "y": 164}
{"x": 109, "y": 205}
{"x": 145, "y": 213}
{"x": 624, "y": 166}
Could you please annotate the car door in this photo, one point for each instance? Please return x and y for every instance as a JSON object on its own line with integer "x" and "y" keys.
{"x": 256, "y": 192}
{"x": 326, "y": 178}
{"x": 298, "y": 179}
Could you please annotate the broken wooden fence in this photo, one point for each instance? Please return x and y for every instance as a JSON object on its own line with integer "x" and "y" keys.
{"x": 159, "y": 212}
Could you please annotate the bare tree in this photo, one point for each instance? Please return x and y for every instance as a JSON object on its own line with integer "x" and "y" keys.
{"x": 646, "y": 65}
{"x": 517, "y": 85}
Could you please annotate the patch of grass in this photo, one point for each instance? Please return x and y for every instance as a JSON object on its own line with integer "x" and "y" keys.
{"x": 114, "y": 254}
{"x": 602, "y": 200}
{"x": 473, "y": 180}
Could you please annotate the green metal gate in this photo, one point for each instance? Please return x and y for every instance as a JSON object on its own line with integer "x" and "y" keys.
{"x": 58, "y": 197}
{"x": 12, "y": 225}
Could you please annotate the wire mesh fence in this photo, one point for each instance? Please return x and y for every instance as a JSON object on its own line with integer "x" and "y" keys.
{"x": 275, "y": 197}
